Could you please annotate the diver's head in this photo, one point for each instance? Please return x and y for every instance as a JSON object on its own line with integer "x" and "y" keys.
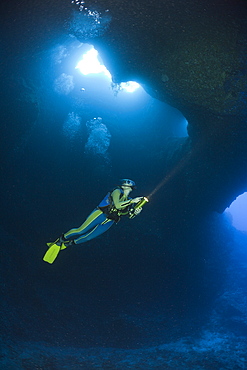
{"x": 127, "y": 184}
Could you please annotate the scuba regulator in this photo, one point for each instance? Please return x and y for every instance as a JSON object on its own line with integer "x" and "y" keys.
{"x": 138, "y": 205}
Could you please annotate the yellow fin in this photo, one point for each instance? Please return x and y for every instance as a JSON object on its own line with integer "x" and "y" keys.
{"x": 53, "y": 243}
{"x": 63, "y": 246}
{"x": 52, "y": 252}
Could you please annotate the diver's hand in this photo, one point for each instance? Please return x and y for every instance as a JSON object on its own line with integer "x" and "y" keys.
{"x": 134, "y": 212}
{"x": 137, "y": 211}
{"x": 136, "y": 200}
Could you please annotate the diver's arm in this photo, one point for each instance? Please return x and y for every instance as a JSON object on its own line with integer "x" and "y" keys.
{"x": 116, "y": 194}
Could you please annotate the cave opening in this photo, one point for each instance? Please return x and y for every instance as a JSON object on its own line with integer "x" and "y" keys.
{"x": 237, "y": 212}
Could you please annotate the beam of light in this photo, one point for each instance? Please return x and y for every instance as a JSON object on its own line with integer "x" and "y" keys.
{"x": 90, "y": 64}
{"x": 238, "y": 208}
{"x": 176, "y": 169}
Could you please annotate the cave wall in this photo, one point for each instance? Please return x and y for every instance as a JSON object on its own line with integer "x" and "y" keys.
{"x": 193, "y": 57}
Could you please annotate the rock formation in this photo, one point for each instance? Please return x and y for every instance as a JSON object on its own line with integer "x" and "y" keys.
{"x": 191, "y": 55}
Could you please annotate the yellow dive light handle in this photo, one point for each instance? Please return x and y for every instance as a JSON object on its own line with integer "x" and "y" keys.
{"x": 138, "y": 205}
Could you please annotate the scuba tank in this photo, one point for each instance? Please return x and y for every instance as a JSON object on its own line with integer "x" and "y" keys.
{"x": 138, "y": 205}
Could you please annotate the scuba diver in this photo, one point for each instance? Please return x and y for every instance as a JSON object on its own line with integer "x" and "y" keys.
{"x": 115, "y": 204}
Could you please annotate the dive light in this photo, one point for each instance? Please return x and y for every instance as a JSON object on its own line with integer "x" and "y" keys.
{"x": 138, "y": 205}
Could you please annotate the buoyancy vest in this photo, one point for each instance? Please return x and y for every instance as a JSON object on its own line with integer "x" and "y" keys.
{"x": 106, "y": 201}
{"x": 108, "y": 208}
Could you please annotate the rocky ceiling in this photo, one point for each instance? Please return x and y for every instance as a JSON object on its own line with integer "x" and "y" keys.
{"x": 189, "y": 54}
{"x": 193, "y": 56}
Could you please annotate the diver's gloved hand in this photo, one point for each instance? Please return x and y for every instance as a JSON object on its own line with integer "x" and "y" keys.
{"x": 136, "y": 200}
{"x": 137, "y": 211}
{"x": 134, "y": 212}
